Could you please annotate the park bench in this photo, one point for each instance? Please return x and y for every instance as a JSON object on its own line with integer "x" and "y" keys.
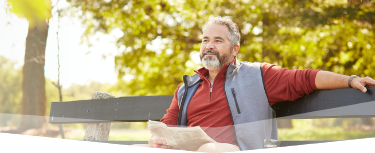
{"x": 99, "y": 112}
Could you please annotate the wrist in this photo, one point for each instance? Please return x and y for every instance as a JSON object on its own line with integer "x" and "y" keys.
{"x": 352, "y": 77}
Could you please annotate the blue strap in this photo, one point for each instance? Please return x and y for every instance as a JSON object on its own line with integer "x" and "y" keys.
{"x": 189, "y": 95}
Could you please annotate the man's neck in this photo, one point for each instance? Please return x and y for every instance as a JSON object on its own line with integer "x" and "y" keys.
{"x": 212, "y": 74}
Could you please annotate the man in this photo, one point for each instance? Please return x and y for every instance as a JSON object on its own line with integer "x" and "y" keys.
{"x": 232, "y": 100}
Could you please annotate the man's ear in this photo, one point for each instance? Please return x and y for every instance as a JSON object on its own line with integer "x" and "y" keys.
{"x": 236, "y": 49}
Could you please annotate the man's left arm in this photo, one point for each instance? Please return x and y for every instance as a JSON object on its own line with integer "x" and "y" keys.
{"x": 330, "y": 80}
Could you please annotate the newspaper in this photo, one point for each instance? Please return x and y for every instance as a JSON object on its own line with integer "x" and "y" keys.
{"x": 182, "y": 138}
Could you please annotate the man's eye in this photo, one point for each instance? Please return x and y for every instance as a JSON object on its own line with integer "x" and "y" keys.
{"x": 218, "y": 40}
{"x": 204, "y": 40}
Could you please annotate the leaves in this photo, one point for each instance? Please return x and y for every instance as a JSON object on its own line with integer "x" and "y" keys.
{"x": 10, "y": 86}
{"x": 35, "y": 11}
{"x": 161, "y": 37}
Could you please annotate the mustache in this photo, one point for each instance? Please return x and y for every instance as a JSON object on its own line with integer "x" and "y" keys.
{"x": 210, "y": 51}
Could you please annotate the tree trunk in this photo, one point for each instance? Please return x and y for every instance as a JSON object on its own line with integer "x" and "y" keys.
{"x": 33, "y": 83}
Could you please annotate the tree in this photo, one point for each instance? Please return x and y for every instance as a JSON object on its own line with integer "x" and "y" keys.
{"x": 327, "y": 35}
{"x": 10, "y": 89}
{"x": 33, "y": 109}
{"x": 177, "y": 25}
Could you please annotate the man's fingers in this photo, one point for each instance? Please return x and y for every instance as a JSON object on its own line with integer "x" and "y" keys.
{"x": 153, "y": 145}
{"x": 154, "y": 142}
{"x": 165, "y": 147}
{"x": 366, "y": 82}
{"x": 159, "y": 141}
{"x": 364, "y": 90}
{"x": 369, "y": 81}
{"x": 361, "y": 86}
{"x": 161, "y": 146}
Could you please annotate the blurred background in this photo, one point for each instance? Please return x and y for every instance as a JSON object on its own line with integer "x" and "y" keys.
{"x": 136, "y": 48}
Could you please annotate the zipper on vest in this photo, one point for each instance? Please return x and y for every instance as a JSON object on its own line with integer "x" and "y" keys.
{"x": 235, "y": 101}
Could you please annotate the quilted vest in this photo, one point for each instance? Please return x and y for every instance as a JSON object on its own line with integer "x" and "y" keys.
{"x": 253, "y": 118}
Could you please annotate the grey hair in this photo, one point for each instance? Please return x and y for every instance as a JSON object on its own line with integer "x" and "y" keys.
{"x": 233, "y": 35}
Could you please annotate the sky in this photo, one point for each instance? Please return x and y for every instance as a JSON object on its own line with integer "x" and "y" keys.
{"x": 79, "y": 64}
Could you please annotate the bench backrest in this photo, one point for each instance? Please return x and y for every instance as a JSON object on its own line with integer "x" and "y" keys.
{"x": 336, "y": 103}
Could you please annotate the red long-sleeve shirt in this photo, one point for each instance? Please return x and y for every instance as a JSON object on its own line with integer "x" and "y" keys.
{"x": 210, "y": 110}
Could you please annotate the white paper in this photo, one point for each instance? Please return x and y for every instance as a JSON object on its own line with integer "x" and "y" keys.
{"x": 184, "y": 138}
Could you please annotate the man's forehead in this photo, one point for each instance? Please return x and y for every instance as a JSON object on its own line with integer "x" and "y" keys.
{"x": 216, "y": 37}
{"x": 216, "y": 30}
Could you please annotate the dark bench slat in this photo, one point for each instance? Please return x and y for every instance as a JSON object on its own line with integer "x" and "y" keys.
{"x": 337, "y": 103}
{"x": 130, "y": 109}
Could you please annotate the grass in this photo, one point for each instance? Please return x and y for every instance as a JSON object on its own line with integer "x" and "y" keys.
{"x": 114, "y": 135}
{"x": 336, "y": 133}
{"x": 130, "y": 135}
{"x": 324, "y": 129}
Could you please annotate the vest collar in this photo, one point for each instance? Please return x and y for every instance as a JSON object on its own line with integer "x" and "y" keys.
{"x": 233, "y": 67}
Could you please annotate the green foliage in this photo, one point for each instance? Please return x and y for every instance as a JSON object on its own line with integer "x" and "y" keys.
{"x": 52, "y": 95}
{"x": 324, "y": 129}
{"x": 177, "y": 25}
{"x": 115, "y": 135}
{"x": 328, "y": 35}
{"x": 84, "y": 92}
{"x": 130, "y": 135}
{"x": 34, "y": 11}
{"x": 129, "y": 125}
{"x": 336, "y": 133}
{"x": 10, "y": 89}
{"x": 328, "y": 122}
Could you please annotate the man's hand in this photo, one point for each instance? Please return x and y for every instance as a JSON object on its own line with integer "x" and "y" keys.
{"x": 362, "y": 83}
{"x": 154, "y": 141}
{"x": 330, "y": 80}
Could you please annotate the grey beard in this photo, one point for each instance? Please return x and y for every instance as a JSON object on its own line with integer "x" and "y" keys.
{"x": 211, "y": 64}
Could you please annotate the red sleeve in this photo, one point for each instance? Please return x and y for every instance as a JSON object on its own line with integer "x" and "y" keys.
{"x": 282, "y": 84}
{"x": 172, "y": 113}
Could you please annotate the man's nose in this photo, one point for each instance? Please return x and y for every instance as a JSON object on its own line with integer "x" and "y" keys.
{"x": 210, "y": 46}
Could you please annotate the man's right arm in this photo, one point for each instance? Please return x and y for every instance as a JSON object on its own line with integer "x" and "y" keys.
{"x": 170, "y": 119}
{"x": 172, "y": 112}
{"x": 282, "y": 84}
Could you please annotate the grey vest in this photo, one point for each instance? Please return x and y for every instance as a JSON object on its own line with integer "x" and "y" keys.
{"x": 252, "y": 115}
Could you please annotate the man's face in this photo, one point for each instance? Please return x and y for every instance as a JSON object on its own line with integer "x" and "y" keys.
{"x": 216, "y": 47}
